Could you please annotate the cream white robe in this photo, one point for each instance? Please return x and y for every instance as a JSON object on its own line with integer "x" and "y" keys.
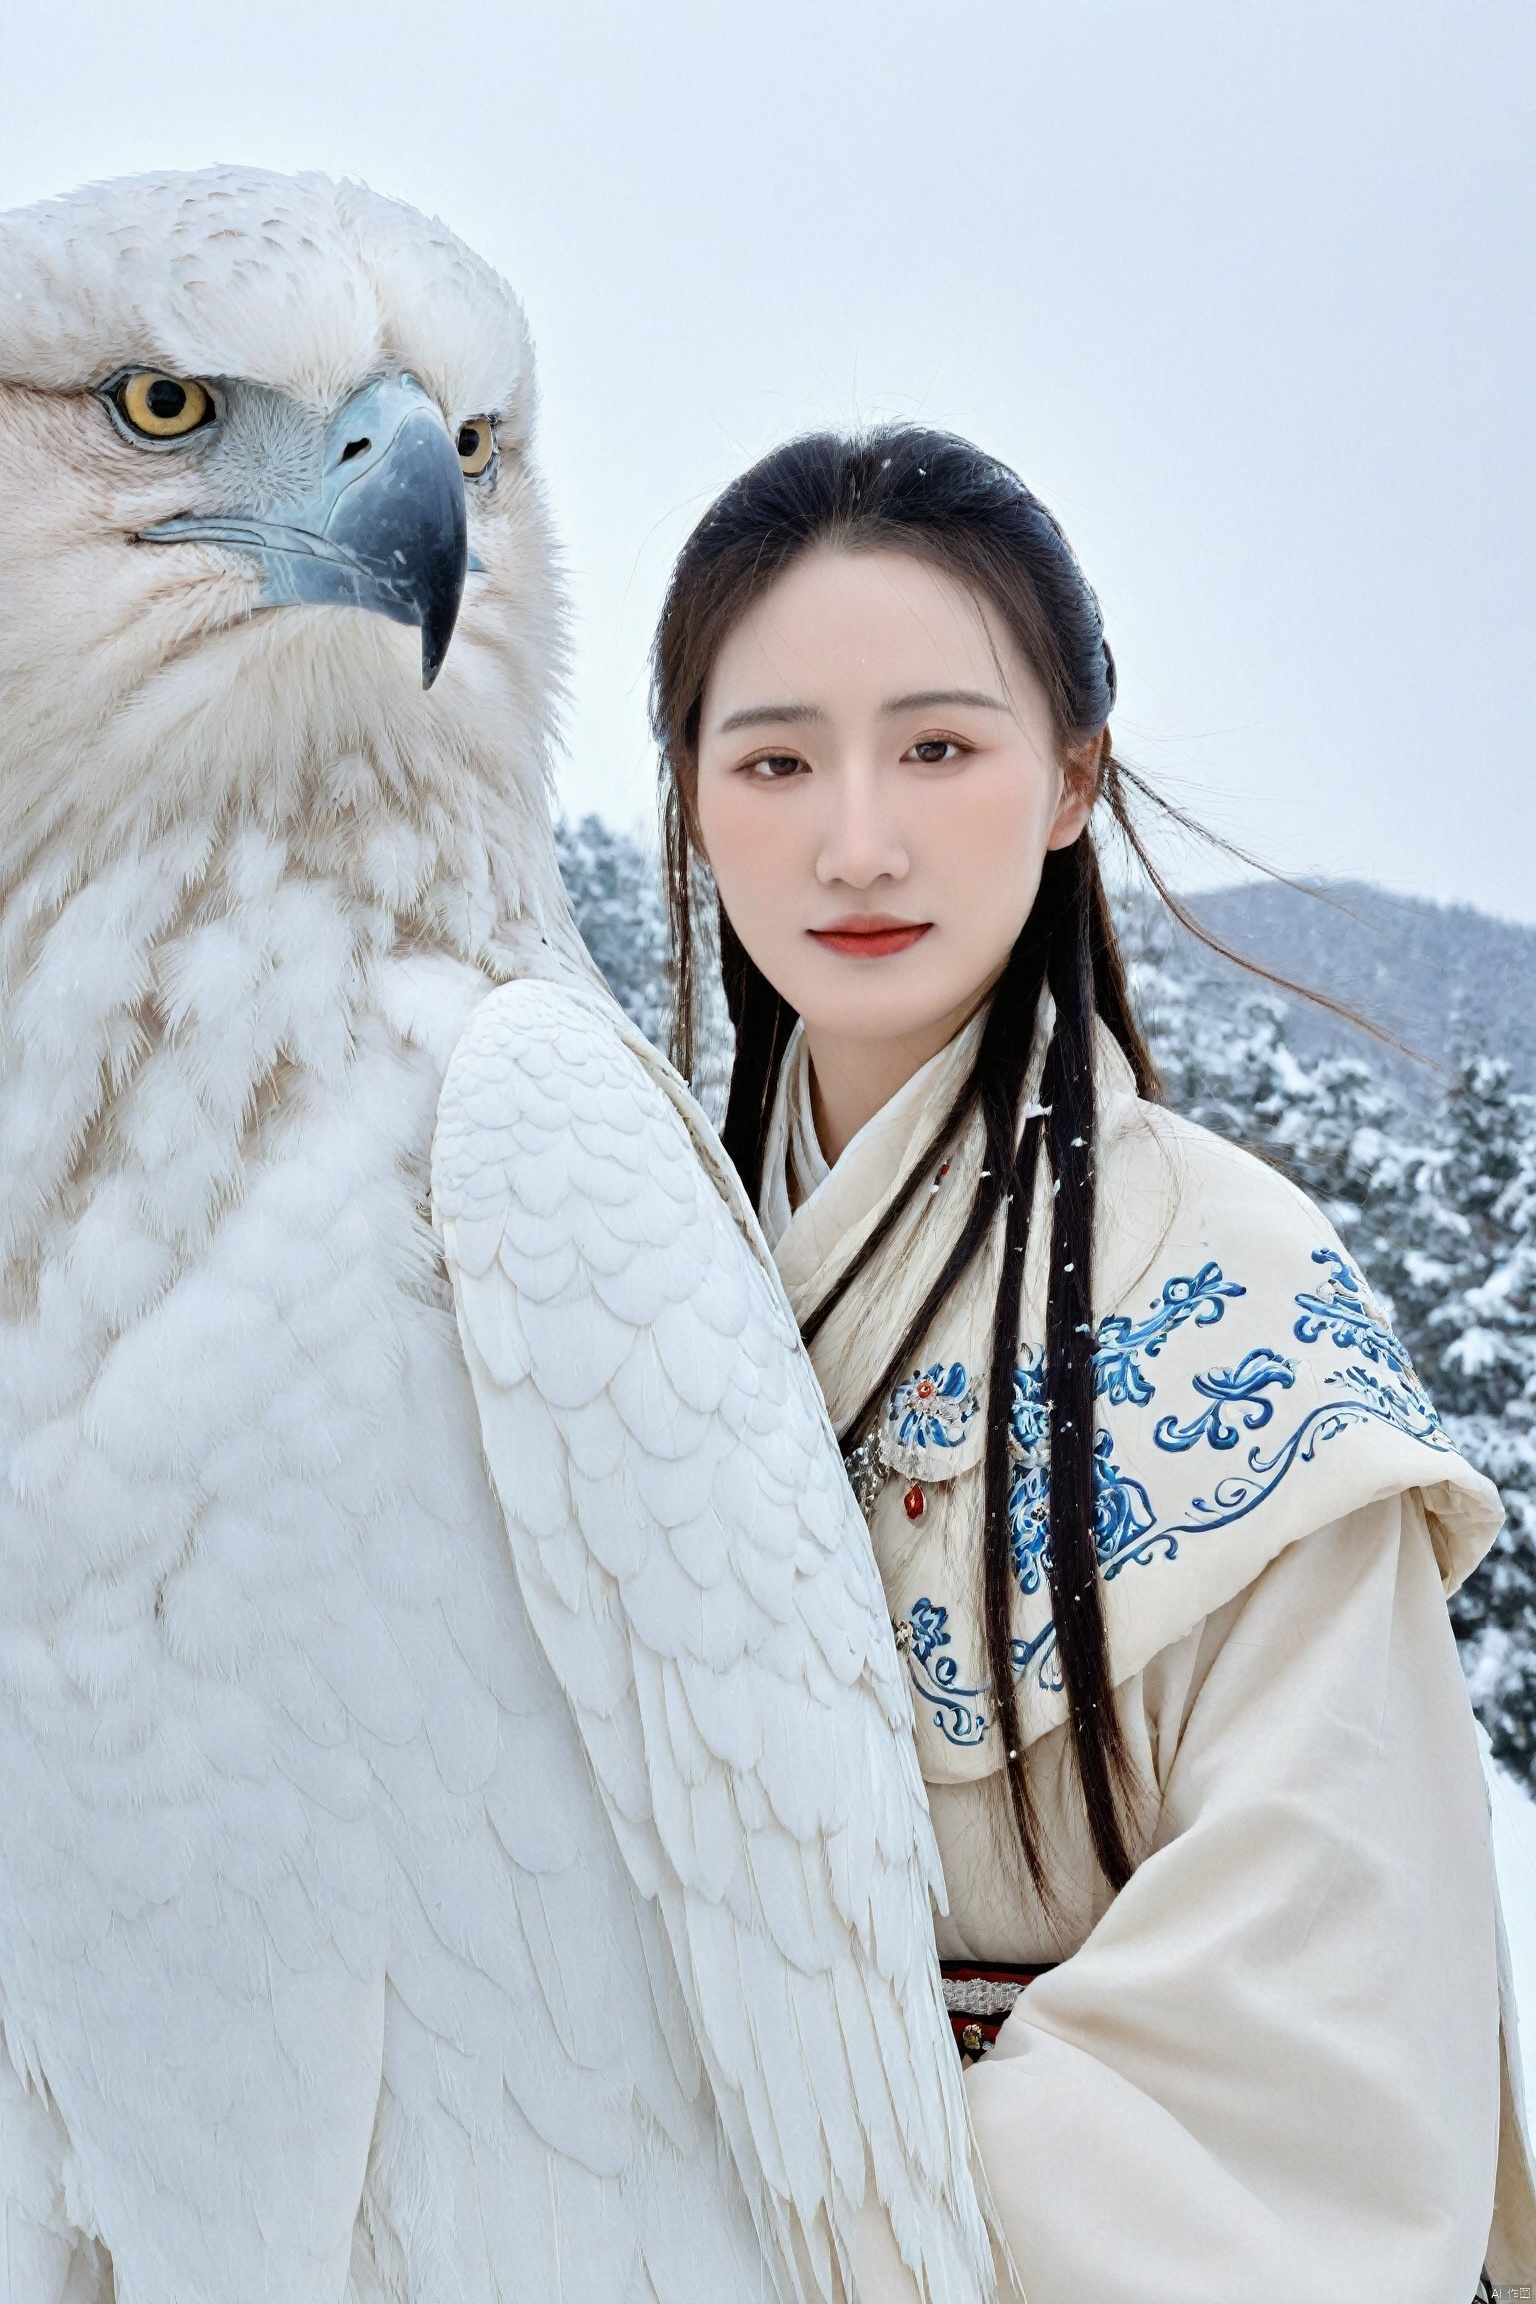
{"x": 1271, "y": 2066}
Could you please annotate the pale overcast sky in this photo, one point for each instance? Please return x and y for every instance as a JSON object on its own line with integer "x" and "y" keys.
{"x": 1244, "y": 289}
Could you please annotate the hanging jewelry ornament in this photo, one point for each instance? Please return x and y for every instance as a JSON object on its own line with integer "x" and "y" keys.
{"x": 865, "y": 1468}
{"x": 915, "y": 1503}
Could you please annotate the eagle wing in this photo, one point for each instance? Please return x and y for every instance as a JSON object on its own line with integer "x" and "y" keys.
{"x": 307, "y": 1895}
{"x": 701, "y": 1580}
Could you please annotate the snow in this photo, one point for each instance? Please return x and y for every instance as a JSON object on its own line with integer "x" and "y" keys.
{"x": 1514, "y": 1853}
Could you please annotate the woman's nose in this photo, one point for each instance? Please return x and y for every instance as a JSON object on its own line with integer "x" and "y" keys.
{"x": 861, "y": 844}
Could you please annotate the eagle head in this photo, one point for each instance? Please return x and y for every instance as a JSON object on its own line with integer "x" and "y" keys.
{"x": 264, "y": 454}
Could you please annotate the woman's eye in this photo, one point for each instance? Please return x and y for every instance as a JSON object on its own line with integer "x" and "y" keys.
{"x": 477, "y": 446}
{"x": 774, "y": 767}
{"x": 154, "y": 406}
{"x": 934, "y": 751}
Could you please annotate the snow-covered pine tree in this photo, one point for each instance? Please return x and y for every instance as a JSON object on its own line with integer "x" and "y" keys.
{"x": 614, "y": 884}
{"x": 1461, "y": 1273}
{"x": 615, "y": 893}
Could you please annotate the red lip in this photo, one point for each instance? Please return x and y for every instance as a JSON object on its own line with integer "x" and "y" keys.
{"x": 871, "y": 935}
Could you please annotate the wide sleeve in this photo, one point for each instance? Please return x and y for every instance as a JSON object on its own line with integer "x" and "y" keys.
{"x": 1272, "y": 2069}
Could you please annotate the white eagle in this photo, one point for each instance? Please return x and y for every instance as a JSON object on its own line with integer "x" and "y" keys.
{"x": 403, "y": 1895}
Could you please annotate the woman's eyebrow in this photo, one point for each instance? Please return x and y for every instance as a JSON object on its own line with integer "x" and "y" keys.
{"x": 922, "y": 699}
{"x": 769, "y": 716}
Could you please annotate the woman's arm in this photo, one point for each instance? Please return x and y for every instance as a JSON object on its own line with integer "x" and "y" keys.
{"x": 1271, "y": 2071}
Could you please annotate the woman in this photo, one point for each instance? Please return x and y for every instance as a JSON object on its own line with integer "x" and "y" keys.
{"x": 1164, "y": 1519}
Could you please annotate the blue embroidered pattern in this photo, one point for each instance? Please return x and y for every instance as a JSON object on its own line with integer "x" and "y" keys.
{"x": 1122, "y": 1510}
{"x": 956, "y": 1710}
{"x": 932, "y": 1408}
{"x": 1121, "y": 1341}
{"x": 1375, "y": 1384}
{"x": 1343, "y": 1315}
{"x": 1244, "y": 1386}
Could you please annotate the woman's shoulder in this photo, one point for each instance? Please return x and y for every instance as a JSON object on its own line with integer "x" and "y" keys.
{"x": 1239, "y": 1334}
{"x": 1169, "y": 1188}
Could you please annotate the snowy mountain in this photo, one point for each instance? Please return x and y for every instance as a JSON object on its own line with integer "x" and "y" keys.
{"x": 1445, "y": 980}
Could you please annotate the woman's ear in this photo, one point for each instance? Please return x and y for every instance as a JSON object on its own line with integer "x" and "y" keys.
{"x": 1081, "y": 765}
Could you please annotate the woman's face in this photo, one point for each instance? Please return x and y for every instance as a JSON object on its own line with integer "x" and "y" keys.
{"x": 879, "y": 783}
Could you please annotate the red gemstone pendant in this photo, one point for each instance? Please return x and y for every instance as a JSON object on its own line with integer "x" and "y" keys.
{"x": 915, "y": 1502}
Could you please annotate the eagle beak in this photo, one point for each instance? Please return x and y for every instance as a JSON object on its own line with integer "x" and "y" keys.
{"x": 387, "y": 531}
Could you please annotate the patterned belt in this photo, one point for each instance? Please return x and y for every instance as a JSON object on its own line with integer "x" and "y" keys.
{"x": 980, "y": 2000}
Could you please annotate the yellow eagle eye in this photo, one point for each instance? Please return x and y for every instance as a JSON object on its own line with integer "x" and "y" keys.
{"x": 161, "y": 407}
{"x": 477, "y": 445}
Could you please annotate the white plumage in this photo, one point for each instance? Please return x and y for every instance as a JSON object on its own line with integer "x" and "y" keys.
{"x": 322, "y": 1970}
{"x": 698, "y": 1574}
